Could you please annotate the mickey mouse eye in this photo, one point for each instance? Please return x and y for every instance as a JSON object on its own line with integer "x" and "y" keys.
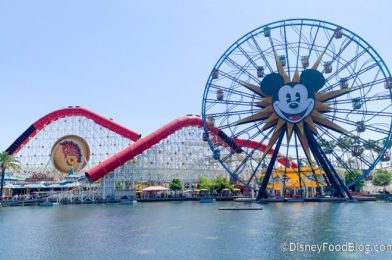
{"x": 288, "y": 97}
{"x": 297, "y": 97}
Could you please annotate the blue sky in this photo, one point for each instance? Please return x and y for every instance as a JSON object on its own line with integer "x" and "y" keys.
{"x": 142, "y": 63}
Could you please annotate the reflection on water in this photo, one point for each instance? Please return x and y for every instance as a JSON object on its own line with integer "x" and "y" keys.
{"x": 189, "y": 230}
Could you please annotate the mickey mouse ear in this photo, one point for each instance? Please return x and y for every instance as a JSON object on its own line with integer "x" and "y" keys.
{"x": 312, "y": 79}
{"x": 271, "y": 83}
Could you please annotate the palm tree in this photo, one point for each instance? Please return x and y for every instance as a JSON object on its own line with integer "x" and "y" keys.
{"x": 7, "y": 162}
{"x": 371, "y": 145}
{"x": 344, "y": 143}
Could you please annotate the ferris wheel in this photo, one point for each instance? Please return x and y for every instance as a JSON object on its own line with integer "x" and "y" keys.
{"x": 298, "y": 98}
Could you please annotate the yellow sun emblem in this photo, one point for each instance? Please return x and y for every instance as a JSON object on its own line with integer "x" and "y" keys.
{"x": 290, "y": 105}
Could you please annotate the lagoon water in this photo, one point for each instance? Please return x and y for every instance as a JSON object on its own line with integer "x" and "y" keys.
{"x": 191, "y": 230}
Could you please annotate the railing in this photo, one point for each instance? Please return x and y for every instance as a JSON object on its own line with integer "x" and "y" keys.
{"x": 85, "y": 192}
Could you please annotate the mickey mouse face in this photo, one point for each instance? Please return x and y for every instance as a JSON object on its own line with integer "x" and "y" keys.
{"x": 293, "y": 102}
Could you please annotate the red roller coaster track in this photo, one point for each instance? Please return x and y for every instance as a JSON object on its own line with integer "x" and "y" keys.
{"x": 155, "y": 137}
{"x": 67, "y": 112}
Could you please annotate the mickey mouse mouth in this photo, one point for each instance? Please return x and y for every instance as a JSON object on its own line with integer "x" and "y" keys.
{"x": 291, "y": 117}
{"x": 294, "y": 117}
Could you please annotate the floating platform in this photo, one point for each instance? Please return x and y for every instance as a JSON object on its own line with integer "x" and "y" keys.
{"x": 128, "y": 202}
{"x": 271, "y": 200}
{"x": 46, "y": 204}
{"x": 296, "y": 200}
{"x": 326, "y": 199}
{"x": 244, "y": 200}
{"x": 241, "y": 208}
{"x": 207, "y": 200}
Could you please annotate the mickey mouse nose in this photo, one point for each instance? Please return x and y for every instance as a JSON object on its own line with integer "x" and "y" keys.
{"x": 293, "y": 105}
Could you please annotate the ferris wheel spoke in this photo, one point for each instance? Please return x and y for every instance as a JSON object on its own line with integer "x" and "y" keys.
{"x": 259, "y": 162}
{"x": 314, "y": 40}
{"x": 262, "y": 54}
{"x": 279, "y": 64}
{"x": 285, "y": 167}
{"x": 370, "y": 118}
{"x": 302, "y": 38}
{"x": 347, "y": 64}
{"x": 232, "y": 91}
{"x": 347, "y": 147}
{"x": 336, "y": 156}
{"x": 317, "y": 63}
{"x": 363, "y": 112}
{"x": 241, "y": 69}
{"x": 255, "y": 125}
{"x": 286, "y": 50}
{"x": 297, "y": 157}
{"x": 247, "y": 56}
{"x": 354, "y": 75}
{"x": 229, "y": 102}
{"x": 299, "y": 46}
{"x": 355, "y": 89}
{"x": 362, "y": 70}
{"x": 245, "y": 84}
{"x": 306, "y": 149}
{"x": 231, "y": 113}
{"x": 367, "y": 126}
{"x": 340, "y": 101}
{"x": 268, "y": 173}
{"x": 342, "y": 48}
{"x": 250, "y": 155}
{"x": 334, "y": 178}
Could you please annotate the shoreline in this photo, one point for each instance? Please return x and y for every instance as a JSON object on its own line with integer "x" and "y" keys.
{"x": 37, "y": 202}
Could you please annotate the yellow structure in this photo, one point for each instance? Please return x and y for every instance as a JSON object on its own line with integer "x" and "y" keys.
{"x": 292, "y": 178}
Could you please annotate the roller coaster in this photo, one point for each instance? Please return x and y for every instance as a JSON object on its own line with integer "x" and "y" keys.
{"x": 119, "y": 154}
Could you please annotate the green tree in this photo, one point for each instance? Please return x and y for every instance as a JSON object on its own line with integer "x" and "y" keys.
{"x": 205, "y": 183}
{"x": 382, "y": 178}
{"x": 351, "y": 176}
{"x": 221, "y": 183}
{"x": 371, "y": 145}
{"x": 176, "y": 185}
{"x": 344, "y": 142}
{"x": 327, "y": 146}
{"x": 7, "y": 162}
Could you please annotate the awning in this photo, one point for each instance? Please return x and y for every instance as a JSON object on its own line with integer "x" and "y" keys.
{"x": 35, "y": 186}
{"x": 155, "y": 188}
{"x": 13, "y": 186}
{"x": 64, "y": 185}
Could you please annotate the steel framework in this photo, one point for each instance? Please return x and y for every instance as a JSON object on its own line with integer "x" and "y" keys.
{"x": 181, "y": 155}
{"x": 35, "y": 156}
